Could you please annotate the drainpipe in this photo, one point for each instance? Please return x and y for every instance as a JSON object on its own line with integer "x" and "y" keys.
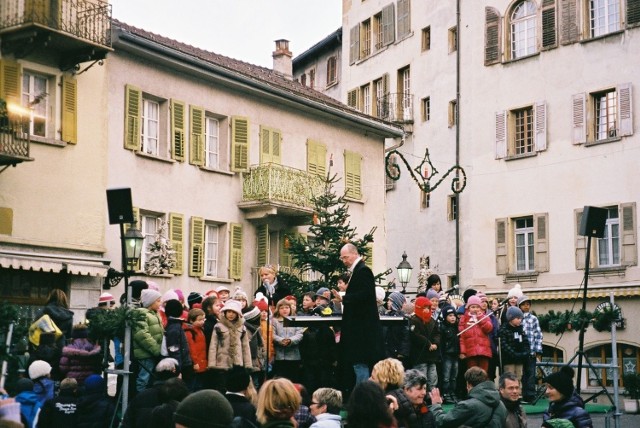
{"x": 457, "y": 195}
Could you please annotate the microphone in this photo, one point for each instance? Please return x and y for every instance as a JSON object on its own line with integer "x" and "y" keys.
{"x": 451, "y": 290}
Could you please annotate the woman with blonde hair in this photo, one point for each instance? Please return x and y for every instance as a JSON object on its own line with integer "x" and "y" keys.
{"x": 272, "y": 286}
{"x": 278, "y": 401}
{"x": 388, "y": 373}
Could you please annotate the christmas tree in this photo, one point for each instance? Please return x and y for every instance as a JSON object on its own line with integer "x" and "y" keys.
{"x": 162, "y": 257}
{"x": 319, "y": 250}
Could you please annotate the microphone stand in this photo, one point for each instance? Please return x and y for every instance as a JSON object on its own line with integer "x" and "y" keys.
{"x": 488, "y": 314}
{"x": 269, "y": 290}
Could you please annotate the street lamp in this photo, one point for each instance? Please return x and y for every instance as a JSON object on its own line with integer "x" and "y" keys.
{"x": 404, "y": 271}
{"x": 132, "y": 247}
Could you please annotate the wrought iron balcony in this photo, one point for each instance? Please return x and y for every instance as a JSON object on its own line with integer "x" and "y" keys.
{"x": 396, "y": 107}
{"x": 66, "y": 32}
{"x": 271, "y": 189}
{"x": 14, "y": 143}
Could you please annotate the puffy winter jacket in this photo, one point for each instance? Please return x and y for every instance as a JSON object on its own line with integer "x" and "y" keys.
{"x": 571, "y": 408}
{"x": 483, "y": 409}
{"x": 475, "y": 341}
{"x": 80, "y": 359}
{"x": 147, "y": 336}
{"x": 177, "y": 344}
{"x": 513, "y": 344}
{"x": 197, "y": 346}
{"x": 422, "y": 337}
{"x": 30, "y": 405}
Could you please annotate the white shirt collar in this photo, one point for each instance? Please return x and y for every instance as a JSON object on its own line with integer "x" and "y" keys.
{"x": 355, "y": 262}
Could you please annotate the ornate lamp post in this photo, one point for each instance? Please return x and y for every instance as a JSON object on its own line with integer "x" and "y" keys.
{"x": 404, "y": 272}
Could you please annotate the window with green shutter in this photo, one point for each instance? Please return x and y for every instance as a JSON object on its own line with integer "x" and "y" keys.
{"x": 176, "y": 236}
{"x": 270, "y": 145}
{"x": 353, "y": 174}
{"x": 132, "y": 117}
{"x": 235, "y": 252}
{"x": 196, "y": 142}
{"x": 177, "y": 130}
{"x": 262, "y": 233}
{"x": 196, "y": 238}
{"x": 239, "y": 144}
{"x": 69, "y": 109}
{"x": 316, "y": 158}
{"x": 10, "y": 81}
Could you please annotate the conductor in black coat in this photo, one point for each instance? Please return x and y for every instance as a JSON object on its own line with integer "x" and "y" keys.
{"x": 361, "y": 331}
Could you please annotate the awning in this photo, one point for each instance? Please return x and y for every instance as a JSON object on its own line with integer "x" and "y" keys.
{"x": 54, "y": 263}
{"x": 575, "y": 293}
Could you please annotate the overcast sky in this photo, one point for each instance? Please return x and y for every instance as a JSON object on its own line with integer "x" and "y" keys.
{"x": 241, "y": 29}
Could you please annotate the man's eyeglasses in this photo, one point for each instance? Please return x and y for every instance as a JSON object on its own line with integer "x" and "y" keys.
{"x": 313, "y": 403}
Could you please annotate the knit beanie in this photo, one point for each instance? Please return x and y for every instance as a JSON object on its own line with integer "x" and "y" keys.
{"x": 481, "y": 296}
{"x": 148, "y": 297}
{"x": 136, "y": 288}
{"x": 232, "y": 305}
{"x": 514, "y": 312}
{"x": 397, "y": 300}
{"x": 194, "y": 298}
{"x": 423, "y": 309}
{"x": 261, "y": 304}
{"x": 251, "y": 313}
{"x": 237, "y": 379}
{"x": 322, "y": 290}
{"x": 523, "y": 299}
{"x": 448, "y": 310}
{"x": 197, "y": 410}
{"x": 516, "y": 291}
{"x": 80, "y": 331}
{"x": 167, "y": 365}
{"x": 106, "y": 298}
{"x": 468, "y": 293}
{"x": 473, "y": 300}
{"x": 23, "y": 385}
{"x": 153, "y": 285}
{"x": 173, "y": 308}
{"x": 170, "y": 295}
{"x": 180, "y": 295}
{"x": 562, "y": 380}
{"x": 222, "y": 288}
{"x": 431, "y": 293}
{"x": 94, "y": 384}
{"x": 239, "y": 294}
{"x": 38, "y": 369}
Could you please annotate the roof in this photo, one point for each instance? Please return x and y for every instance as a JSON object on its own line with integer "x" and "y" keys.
{"x": 329, "y": 43}
{"x": 250, "y": 74}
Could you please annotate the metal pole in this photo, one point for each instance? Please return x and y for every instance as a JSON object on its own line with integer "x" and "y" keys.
{"x": 614, "y": 363}
{"x": 584, "y": 308}
{"x": 127, "y": 329}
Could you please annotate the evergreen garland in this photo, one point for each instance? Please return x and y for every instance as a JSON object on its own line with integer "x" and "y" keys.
{"x": 559, "y": 322}
{"x": 105, "y": 324}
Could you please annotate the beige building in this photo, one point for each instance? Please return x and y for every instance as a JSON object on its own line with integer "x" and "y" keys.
{"x": 228, "y": 155}
{"x": 53, "y": 146}
{"x": 538, "y": 143}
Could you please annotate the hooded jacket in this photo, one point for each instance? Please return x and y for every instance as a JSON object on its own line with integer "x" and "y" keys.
{"x": 177, "y": 344}
{"x": 80, "y": 359}
{"x": 483, "y": 409}
{"x": 475, "y": 341}
{"x": 147, "y": 336}
{"x": 197, "y": 346}
{"x": 30, "y": 404}
{"x": 229, "y": 345}
{"x": 571, "y": 408}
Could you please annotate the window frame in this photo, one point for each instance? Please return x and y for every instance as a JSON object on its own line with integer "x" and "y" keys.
{"x": 365, "y": 39}
{"x": 611, "y": 241}
{"x": 332, "y": 70}
{"x": 601, "y": 31}
{"x": 506, "y": 131}
{"x": 425, "y": 108}
{"x": 530, "y": 23}
{"x": 452, "y": 39}
{"x": 42, "y": 108}
{"x": 506, "y": 255}
{"x": 207, "y": 146}
{"x": 526, "y": 263}
{"x": 208, "y": 227}
{"x": 147, "y": 218}
{"x": 425, "y": 39}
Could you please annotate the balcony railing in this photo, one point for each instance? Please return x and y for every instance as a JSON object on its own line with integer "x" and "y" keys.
{"x": 89, "y": 20}
{"x": 14, "y": 143}
{"x": 396, "y": 107}
{"x": 276, "y": 183}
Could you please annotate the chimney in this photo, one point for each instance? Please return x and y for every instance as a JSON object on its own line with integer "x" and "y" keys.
{"x": 282, "y": 63}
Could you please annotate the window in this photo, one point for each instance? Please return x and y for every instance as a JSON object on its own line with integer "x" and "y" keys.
{"x": 618, "y": 246}
{"x": 426, "y": 39}
{"x": 425, "y": 199}
{"x": 381, "y": 103}
{"x": 609, "y": 245}
{"x": 316, "y": 158}
{"x": 35, "y": 93}
{"x": 353, "y": 175}
{"x": 270, "y": 145}
{"x": 303, "y": 80}
{"x": 365, "y": 38}
{"x": 425, "y": 109}
{"x": 312, "y": 78}
{"x": 604, "y": 17}
{"x": 211, "y": 249}
{"x": 628, "y": 362}
{"x": 365, "y": 102}
{"x": 149, "y": 228}
{"x": 404, "y": 89}
{"x": 404, "y": 18}
{"x": 521, "y": 132}
{"x": 523, "y": 29}
{"x": 332, "y": 70}
{"x": 453, "y": 113}
{"x": 610, "y": 115}
{"x": 523, "y": 139}
{"x": 353, "y": 98}
{"x": 378, "y": 30}
{"x": 453, "y": 39}
{"x": 452, "y": 207}
{"x": 212, "y": 146}
{"x": 150, "y": 129}
{"x": 522, "y": 245}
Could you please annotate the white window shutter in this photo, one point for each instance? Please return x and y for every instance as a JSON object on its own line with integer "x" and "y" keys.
{"x": 541, "y": 228}
{"x": 541, "y": 126}
{"x": 579, "y": 119}
{"x": 629, "y": 238}
{"x": 501, "y": 134}
{"x": 502, "y": 246}
{"x": 625, "y": 110}
{"x": 354, "y": 44}
{"x": 581, "y": 241}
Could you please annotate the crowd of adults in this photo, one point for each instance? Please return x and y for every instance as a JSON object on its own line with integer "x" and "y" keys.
{"x": 224, "y": 359}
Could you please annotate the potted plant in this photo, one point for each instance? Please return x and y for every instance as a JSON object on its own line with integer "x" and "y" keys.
{"x": 632, "y": 388}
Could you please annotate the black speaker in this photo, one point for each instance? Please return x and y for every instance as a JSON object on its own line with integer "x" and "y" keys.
{"x": 120, "y": 207}
{"x": 593, "y": 221}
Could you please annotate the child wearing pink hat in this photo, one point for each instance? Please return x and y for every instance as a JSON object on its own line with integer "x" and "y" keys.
{"x": 475, "y": 345}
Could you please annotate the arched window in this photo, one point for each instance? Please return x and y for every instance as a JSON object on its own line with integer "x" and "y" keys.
{"x": 628, "y": 361}
{"x": 523, "y": 29}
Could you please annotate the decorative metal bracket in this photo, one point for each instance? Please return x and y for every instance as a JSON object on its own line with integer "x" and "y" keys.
{"x": 424, "y": 172}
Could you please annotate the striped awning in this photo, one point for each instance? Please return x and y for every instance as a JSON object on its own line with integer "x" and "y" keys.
{"x": 576, "y": 293}
{"x": 53, "y": 263}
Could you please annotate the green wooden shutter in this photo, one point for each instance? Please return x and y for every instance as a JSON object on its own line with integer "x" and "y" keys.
{"x": 177, "y": 130}
{"x": 196, "y": 238}
{"x": 369, "y": 256}
{"x": 235, "y": 252}
{"x": 265, "y": 145}
{"x": 10, "y": 81}
{"x": 502, "y": 246}
{"x": 629, "y": 250}
{"x": 196, "y": 142}
{"x": 353, "y": 175}
{"x": 263, "y": 244}
{"x": 132, "y": 117}
{"x": 69, "y": 109}
{"x": 316, "y": 158}
{"x": 276, "y": 141}
{"x": 176, "y": 236}
{"x": 239, "y": 144}
{"x": 541, "y": 228}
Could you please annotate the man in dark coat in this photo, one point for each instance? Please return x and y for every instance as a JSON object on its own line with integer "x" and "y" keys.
{"x": 61, "y": 410}
{"x": 361, "y": 339}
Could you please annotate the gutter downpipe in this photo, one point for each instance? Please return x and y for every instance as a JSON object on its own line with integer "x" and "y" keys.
{"x": 457, "y": 195}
